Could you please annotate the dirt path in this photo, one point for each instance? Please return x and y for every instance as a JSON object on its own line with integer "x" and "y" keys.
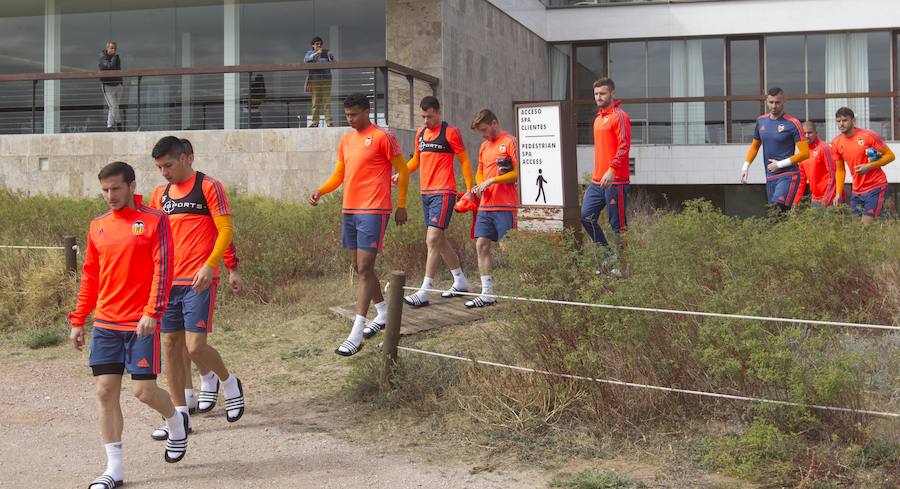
{"x": 49, "y": 438}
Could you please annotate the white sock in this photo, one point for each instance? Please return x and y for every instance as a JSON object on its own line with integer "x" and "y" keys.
{"x": 356, "y": 333}
{"x": 382, "y": 310}
{"x": 230, "y": 387}
{"x": 184, "y": 409}
{"x": 208, "y": 381}
{"x": 115, "y": 467}
{"x": 189, "y": 398}
{"x": 459, "y": 279}
{"x": 423, "y": 293}
{"x": 176, "y": 426}
{"x": 487, "y": 287}
{"x": 230, "y": 390}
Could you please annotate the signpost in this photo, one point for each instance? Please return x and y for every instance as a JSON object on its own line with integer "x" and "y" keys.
{"x": 548, "y": 170}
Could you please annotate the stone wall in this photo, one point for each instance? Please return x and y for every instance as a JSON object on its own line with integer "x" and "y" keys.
{"x": 489, "y": 60}
{"x": 285, "y": 164}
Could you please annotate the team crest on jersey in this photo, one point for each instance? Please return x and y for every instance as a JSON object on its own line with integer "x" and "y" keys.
{"x": 137, "y": 228}
{"x": 780, "y": 127}
{"x": 815, "y": 152}
{"x": 368, "y": 141}
{"x": 501, "y": 148}
{"x": 605, "y": 119}
{"x": 860, "y": 142}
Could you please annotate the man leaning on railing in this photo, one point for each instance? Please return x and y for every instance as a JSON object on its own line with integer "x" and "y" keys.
{"x": 318, "y": 82}
{"x": 111, "y": 86}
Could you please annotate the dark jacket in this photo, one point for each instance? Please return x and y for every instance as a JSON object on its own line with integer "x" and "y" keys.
{"x": 107, "y": 64}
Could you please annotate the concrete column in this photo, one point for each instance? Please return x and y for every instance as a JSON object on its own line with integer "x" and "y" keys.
{"x": 52, "y": 48}
{"x": 232, "y": 44}
{"x": 187, "y": 60}
{"x": 337, "y": 76}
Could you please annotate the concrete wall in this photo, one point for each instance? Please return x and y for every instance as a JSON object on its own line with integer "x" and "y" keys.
{"x": 286, "y": 164}
{"x": 712, "y": 18}
{"x": 490, "y": 60}
{"x": 695, "y": 165}
{"x": 483, "y": 57}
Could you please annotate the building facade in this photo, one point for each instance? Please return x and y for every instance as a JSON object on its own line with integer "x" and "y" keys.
{"x": 690, "y": 73}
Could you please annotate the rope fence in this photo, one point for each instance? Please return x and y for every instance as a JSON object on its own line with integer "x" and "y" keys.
{"x": 814, "y": 322}
{"x": 395, "y": 311}
{"x": 69, "y": 248}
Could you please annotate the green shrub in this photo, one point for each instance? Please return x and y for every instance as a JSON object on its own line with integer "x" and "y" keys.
{"x": 44, "y": 338}
{"x": 419, "y": 383}
{"x": 598, "y": 480}
{"x": 762, "y": 453}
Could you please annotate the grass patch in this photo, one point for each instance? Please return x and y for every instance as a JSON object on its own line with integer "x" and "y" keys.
{"x": 44, "y": 338}
{"x": 598, "y": 480}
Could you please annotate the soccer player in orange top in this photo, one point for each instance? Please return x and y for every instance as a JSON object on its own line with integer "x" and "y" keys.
{"x": 201, "y": 225}
{"x": 818, "y": 170}
{"x": 609, "y": 184}
{"x": 234, "y": 279}
{"x": 865, "y": 152}
{"x": 436, "y": 145}
{"x": 365, "y": 156}
{"x": 125, "y": 281}
{"x": 498, "y": 168}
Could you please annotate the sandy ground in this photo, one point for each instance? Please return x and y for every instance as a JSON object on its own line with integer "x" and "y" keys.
{"x": 50, "y": 439}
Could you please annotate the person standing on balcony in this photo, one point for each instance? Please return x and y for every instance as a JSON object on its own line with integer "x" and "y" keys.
{"x": 112, "y": 86}
{"x": 781, "y": 138}
{"x": 318, "y": 82}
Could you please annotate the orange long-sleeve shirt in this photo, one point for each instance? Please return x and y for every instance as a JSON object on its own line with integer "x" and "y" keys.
{"x": 818, "y": 171}
{"x": 127, "y": 269}
{"x": 612, "y": 144}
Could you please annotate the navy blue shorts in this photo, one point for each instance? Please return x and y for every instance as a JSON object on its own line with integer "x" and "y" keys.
{"x": 364, "y": 231}
{"x": 869, "y": 203}
{"x": 494, "y": 224}
{"x": 115, "y": 351}
{"x": 782, "y": 188}
{"x": 437, "y": 209}
{"x": 189, "y": 310}
{"x": 596, "y": 198}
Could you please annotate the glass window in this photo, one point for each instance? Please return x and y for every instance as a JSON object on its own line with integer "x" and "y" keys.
{"x": 560, "y": 58}
{"x": 665, "y": 61}
{"x": 713, "y": 66}
{"x": 22, "y": 38}
{"x": 815, "y": 63}
{"x": 785, "y": 59}
{"x": 275, "y": 32}
{"x": 640, "y": 122}
{"x": 628, "y": 68}
{"x": 879, "y": 48}
{"x": 745, "y": 67}
{"x": 590, "y": 62}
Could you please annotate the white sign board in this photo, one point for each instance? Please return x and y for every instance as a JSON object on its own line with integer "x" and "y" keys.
{"x": 540, "y": 156}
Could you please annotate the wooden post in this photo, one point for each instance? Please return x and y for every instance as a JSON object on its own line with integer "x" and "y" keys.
{"x": 71, "y": 255}
{"x": 392, "y": 329}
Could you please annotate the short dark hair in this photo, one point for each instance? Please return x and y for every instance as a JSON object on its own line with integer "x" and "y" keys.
{"x": 168, "y": 146}
{"x": 117, "y": 168}
{"x": 775, "y": 91}
{"x": 430, "y": 102}
{"x": 188, "y": 147}
{"x": 605, "y": 82}
{"x": 845, "y": 112}
{"x": 112, "y": 43}
{"x": 357, "y": 100}
{"x": 317, "y": 39}
{"x": 483, "y": 116}
{"x": 811, "y": 123}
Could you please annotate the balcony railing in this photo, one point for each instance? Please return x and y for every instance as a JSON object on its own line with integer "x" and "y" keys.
{"x": 263, "y": 96}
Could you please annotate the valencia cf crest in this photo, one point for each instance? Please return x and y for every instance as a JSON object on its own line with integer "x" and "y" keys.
{"x": 605, "y": 119}
{"x": 780, "y": 127}
{"x": 815, "y": 153}
{"x": 368, "y": 141}
{"x": 502, "y": 148}
{"x": 137, "y": 228}
{"x": 860, "y": 142}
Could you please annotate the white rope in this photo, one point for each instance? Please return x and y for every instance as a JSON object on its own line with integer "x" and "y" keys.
{"x": 37, "y": 247}
{"x": 676, "y": 311}
{"x": 652, "y": 387}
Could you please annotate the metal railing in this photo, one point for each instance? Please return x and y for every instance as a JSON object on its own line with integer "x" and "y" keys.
{"x": 266, "y": 96}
